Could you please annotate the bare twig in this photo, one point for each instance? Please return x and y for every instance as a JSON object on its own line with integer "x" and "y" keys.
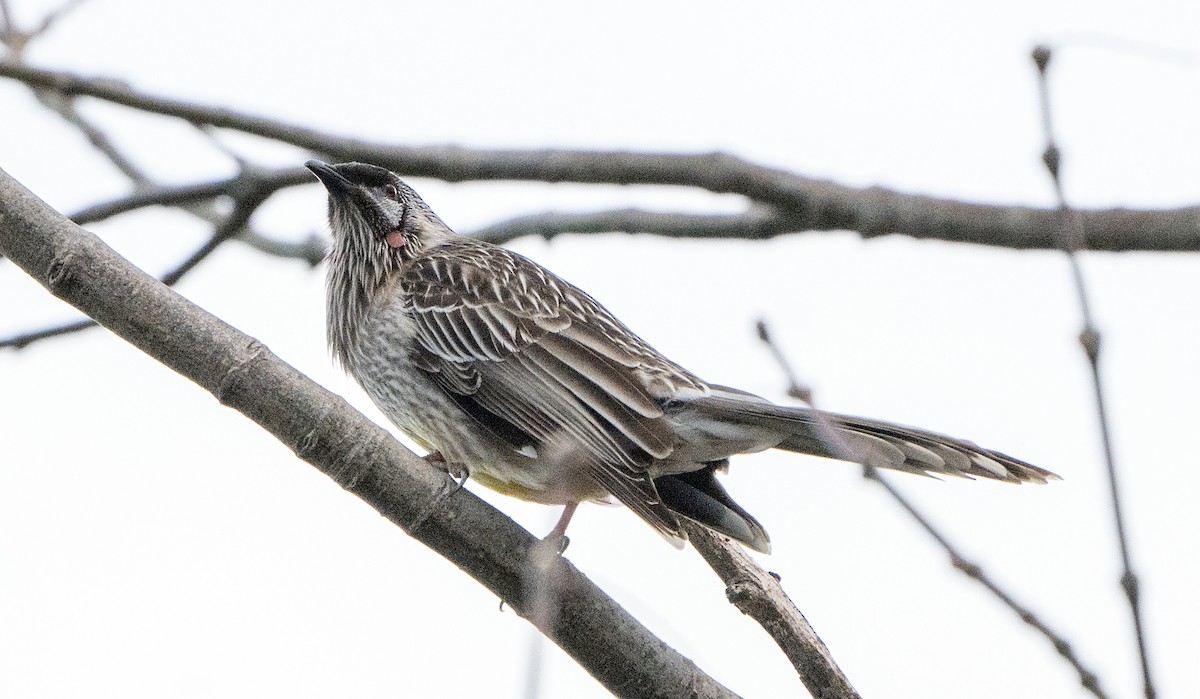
{"x": 196, "y": 198}
{"x": 182, "y": 195}
{"x": 1072, "y": 240}
{"x": 23, "y": 340}
{"x": 795, "y": 389}
{"x": 7, "y": 25}
{"x": 759, "y": 595}
{"x": 245, "y": 206}
{"x": 803, "y": 203}
{"x": 17, "y": 40}
{"x": 64, "y": 106}
{"x": 759, "y": 222}
{"x": 211, "y": 135}
{"x": 243, "y": 209}
{"x": 1087, "y": 678}
{"x": 311, "y": 250}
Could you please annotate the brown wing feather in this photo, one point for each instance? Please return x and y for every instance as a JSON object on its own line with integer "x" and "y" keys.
{"x": 538, "y": 353}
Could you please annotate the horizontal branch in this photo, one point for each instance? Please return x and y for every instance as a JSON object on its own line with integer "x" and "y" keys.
{"x": 182, "y": 195}
{"x": 759, "y": 223}
{"x": 803, "y": 203}
{"x": 329, "y": 434}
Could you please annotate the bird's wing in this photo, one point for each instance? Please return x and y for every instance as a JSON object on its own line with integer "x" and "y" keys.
{"x": 514, "y": 345}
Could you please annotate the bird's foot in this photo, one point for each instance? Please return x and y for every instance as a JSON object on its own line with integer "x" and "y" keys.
{"x": 557, "y": 542}
{"x": 458, "y": 472}
{"x": 557, "y": 538}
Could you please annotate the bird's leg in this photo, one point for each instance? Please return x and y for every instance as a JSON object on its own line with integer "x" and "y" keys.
{"x": 458, "y": 472}
{"x": 559, "y": 533}
{"x": 542, "y": 575}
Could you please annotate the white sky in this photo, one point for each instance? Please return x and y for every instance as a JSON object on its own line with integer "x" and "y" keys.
{"x": 155, "y": 543}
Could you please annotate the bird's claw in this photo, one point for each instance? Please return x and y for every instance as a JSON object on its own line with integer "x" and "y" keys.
{"x": 458, "y": 472}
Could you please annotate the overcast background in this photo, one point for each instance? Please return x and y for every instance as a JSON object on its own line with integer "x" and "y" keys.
{"x": 155, "y": 543}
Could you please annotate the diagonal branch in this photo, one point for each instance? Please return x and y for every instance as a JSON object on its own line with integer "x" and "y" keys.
{"x": 758, "y": 594}
{"x": 1087, "y": 678}
{"x": 805, "y": 203}
{"x": 64, "y": 106}
{"x": 326, "y": 432}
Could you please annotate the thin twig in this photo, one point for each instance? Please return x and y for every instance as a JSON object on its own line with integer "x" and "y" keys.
{"x": 198, "y": 199}
{"x": 1087, "y": 678}
{"x": 242, "y": 211}
{"x": 758, "y": 222}
{"x": 8, "y": 25}
{"x": 25, "y": 339}
{"x": 1072, "y": 241}
{"x": 210, "y": 134}
{"x": 181, "y": 195}
{"x": 53, "y": 17}
{"x": 16, "y": 40}
{"x": 310, "y": 250}
{"x": 64, "y": 106}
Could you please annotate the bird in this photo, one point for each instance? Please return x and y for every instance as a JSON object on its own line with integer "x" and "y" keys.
{"x": 514, "y": 378}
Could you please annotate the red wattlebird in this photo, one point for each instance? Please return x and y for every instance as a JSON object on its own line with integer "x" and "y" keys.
{"x": 533, "y": 388}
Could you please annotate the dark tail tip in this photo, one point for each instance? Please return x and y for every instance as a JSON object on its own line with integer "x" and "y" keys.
{"x": 701, "y": 498}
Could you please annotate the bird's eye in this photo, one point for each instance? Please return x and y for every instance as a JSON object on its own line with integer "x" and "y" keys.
{"x": 390, "y": 191}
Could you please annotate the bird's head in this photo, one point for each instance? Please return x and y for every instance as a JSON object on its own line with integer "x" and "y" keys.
{"x": 374, "y": 215}
{"x": 378, "y": 224}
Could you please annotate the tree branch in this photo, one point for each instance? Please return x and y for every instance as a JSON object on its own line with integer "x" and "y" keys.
{"x": 804, "y": 203}
{"x": 759, "y": 222}
{"x": 326, "y": 432}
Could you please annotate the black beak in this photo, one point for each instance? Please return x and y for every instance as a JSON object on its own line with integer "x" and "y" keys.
{"x": 334, "y": 182}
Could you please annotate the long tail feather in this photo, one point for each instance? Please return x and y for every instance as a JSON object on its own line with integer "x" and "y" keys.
{"x": 872, "y": 442}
